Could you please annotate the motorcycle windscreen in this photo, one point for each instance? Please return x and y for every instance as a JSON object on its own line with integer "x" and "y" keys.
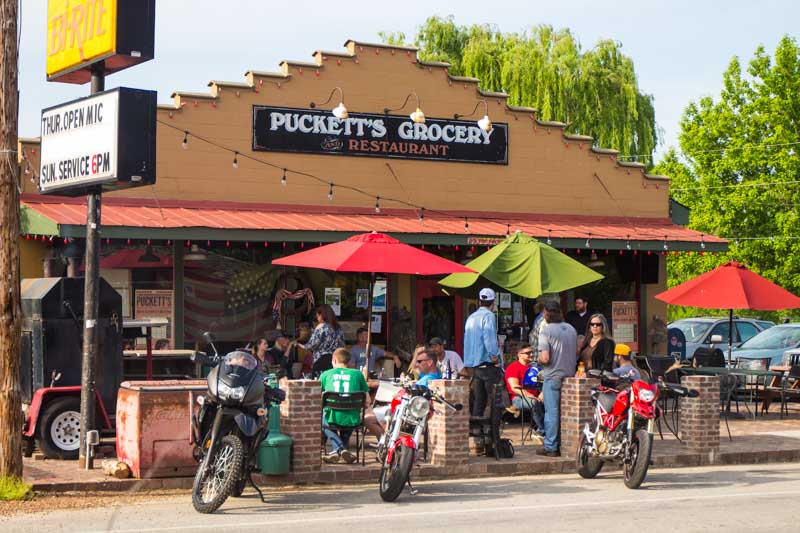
{"x": 237, "y": 368}
{"x": 247, "y": 424}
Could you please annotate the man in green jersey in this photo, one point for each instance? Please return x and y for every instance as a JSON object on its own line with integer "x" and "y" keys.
{"x": 341, "y": 379}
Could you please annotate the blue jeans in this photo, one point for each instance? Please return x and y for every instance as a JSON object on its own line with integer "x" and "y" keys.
{"x": 338, "y": 438}
{"x": 532, "y": 406}
{"x": 552, "y": 414}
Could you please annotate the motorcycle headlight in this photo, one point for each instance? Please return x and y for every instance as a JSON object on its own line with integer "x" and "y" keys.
{"x": 229, "y": 393}
{"x": 419, "y": 407}
{"x": 646, "y": 395}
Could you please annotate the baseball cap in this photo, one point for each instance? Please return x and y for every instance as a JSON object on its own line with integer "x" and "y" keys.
{"x": 552, "y": 305}
{"x": 435, "y": 340}
{"x": 622, "y": 349}
{"x": 486, "y": 295}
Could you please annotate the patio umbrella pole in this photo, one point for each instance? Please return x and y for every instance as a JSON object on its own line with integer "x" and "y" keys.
{"x": 730, "y": 336}
{"x": 369, "y": 325}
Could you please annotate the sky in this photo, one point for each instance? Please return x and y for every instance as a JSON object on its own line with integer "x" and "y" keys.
{"x": 680, "y": 48}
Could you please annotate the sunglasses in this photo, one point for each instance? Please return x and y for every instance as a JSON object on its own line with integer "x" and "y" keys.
{"x": 593, "y": 324}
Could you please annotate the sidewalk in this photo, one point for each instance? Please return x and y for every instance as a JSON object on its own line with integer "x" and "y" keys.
{"x": 768, "y": 439}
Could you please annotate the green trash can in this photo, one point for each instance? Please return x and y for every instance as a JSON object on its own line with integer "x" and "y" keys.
{"x": 274, "y": 451}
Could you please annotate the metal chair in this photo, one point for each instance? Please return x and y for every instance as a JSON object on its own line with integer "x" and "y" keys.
{"x": 794, "y": 376}
{"x": 727, "y": 386}
{"x": 527, "y": 431}
{"x": 350, "y": 401}
{"x": 708, "y": 357}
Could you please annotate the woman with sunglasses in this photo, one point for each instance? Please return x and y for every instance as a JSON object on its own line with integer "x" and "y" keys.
{"x": 597, "y": 349}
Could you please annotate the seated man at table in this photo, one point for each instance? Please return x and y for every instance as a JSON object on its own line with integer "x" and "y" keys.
{"x": 522, "y": 398}
{"x": 623, "y": 359}
{"x": 340, "y": 379}
{"x": 358, "y": 353}
{"x": 426, "y": 365}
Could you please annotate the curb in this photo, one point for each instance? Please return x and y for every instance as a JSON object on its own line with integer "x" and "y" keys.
{"x": 428, "y": 472}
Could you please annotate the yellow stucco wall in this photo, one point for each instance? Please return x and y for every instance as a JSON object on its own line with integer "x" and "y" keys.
{"x": 31, "y": 255}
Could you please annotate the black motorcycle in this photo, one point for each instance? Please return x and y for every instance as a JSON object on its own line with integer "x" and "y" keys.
{"x": 232, "y": 421}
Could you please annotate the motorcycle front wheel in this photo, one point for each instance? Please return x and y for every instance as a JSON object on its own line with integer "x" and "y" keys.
{"x": 217, "y": 476}
{"x": 395, "y": 474}
{"x": 586, "y": 465}
{"x": 635, "y": 470}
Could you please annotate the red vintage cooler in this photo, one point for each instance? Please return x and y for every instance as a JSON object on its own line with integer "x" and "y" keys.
{"x": 154, "y": 426}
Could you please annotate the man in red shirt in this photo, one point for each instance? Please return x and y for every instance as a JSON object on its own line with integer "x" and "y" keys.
{"x": 524, "y": 399}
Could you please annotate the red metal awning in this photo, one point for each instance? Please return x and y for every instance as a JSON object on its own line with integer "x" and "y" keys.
{"x": 142, "y": 213}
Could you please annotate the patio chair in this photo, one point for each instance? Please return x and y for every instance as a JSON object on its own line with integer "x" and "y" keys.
{"x": 526, "y": 429}
{"x": 746, "y": 390}
{"x": 789, "y": 389}
{"x": 708, "y": 357}
{"x": 350, "y": 401}
{"x": 794, "y": 359}
{"x": 727, "y": 386}
{"x": 657, "y": 366}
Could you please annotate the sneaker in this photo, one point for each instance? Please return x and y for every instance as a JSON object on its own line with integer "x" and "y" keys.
{"x": 332, "y": 457}
{"x": 348, "y": 457}
{"x": 548, "y": 453}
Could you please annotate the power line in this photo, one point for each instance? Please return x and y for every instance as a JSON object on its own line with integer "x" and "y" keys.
{"x": 759, "y": 184}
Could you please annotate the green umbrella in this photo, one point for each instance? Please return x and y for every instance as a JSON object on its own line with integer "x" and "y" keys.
{"x": 525, "y": 266}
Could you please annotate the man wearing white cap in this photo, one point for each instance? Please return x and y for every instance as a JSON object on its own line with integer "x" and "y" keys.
{"x": 481, "y": 352}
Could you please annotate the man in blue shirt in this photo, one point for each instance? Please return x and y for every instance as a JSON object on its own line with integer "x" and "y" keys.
{"x": 426, "y": 364}
{"x": 481, "y": 352}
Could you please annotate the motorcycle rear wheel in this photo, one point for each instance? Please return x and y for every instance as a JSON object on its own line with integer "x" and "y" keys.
{"x": 635, "y": 471}
{"x": 587, "y": 466}
{"x": 214, "y": 483}
{"x": 394, "y": 475}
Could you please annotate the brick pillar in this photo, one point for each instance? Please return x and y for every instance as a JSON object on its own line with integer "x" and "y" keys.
{"x": 699, "y": 424}
{"x": 448, "y": 430}
{"x": 576, "y": 410}
{"x": 301, "y": 419}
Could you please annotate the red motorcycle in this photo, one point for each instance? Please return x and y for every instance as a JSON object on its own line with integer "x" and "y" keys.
{"x": 624, "y": 421}
{"x": 410, "y": 411}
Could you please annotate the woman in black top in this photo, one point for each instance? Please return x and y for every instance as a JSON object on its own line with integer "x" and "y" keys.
{"x": 597, "y": 349}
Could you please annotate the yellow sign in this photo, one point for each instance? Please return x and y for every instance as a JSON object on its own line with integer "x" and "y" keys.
{"x": 79, "y": 32}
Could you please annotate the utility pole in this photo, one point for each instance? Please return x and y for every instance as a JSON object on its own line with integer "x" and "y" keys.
{"x": 91, "y": 302}
{"x": 10, "y": 310}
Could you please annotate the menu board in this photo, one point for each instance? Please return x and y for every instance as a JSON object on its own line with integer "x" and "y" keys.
{"x": 625, "y": 320}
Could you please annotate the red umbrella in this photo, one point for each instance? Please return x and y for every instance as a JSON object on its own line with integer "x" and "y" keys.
{"x": 372, "y": 252}
{"x": 731, "y": 286}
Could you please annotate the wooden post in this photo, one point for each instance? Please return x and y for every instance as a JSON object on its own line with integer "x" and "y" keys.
{"x": 10, "y": 310}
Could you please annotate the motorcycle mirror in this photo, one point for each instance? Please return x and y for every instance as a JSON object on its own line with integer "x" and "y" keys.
{"x": 209, "y": 337}
{"x": 458, "y": 406}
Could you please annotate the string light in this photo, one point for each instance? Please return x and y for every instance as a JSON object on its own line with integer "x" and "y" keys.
{"x": 185, "y": 143}
{"x": 549, "y": 239}
{"x": 588, "y": 241}
{"x": 283, "y": 178}
{"x": 508, "y": 230}
{"x": 422, "y": 215}
{"x": 666, "y": 246}
{"x": 235, "y": 159}
{"x": 628, "y": 242}
{"x": 466, "y": 225}
{"x": 330, "y": 192}
{"x": 702, "y": 243}
{"x": 377, "y": 204}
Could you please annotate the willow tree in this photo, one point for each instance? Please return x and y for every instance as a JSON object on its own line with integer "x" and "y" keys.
{"x": 594, "y": 91}
{"x": 739, "y": 172}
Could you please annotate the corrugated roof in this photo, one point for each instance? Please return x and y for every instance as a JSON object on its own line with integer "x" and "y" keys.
{"x": 149, "y": 213}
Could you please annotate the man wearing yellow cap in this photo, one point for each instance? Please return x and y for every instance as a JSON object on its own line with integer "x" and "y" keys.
{"x": 625, "y": 368}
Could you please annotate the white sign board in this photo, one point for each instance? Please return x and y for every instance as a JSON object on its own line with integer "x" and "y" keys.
{"x": 79, "y": 143}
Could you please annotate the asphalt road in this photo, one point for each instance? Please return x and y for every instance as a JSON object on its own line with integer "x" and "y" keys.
{"x": 729, "y": 499}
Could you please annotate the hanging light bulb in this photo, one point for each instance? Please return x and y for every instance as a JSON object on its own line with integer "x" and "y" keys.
{"x": 330, "y": 192}
{"x": 377, "y": 204}
{"x": 508, "y": 230}
{"x": 702, "y": 243}
{"x": 588, "y": 242}
{"x": 466, "y": 225}
{"x": 549, "y": 239}
{"x": 666, "y": 247}
{"x": 628, "y": 242}
{"x": 422, "y": 215}
{"x": 235, "y": 159}
{"x": 283, "y": 179}
{"x": 185, "y": 143}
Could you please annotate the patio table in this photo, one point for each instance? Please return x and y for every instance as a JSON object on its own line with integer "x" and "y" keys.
{"x": 744, "y": 372}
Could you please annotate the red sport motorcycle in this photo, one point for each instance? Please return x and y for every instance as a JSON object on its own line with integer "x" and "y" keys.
{"x": 410, "y": 411}
{"x": 624, "y": 421}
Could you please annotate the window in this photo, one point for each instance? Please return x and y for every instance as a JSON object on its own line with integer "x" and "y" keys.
{"x": 723, "y": 330}
{"x": 746, "y": 330}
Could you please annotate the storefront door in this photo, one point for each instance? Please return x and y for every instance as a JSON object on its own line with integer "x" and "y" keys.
{"x": 439, "y": 315}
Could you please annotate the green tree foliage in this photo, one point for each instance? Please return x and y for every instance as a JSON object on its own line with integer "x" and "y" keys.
{"x": 737, "y": 149}
{"x": 594, "y": 91}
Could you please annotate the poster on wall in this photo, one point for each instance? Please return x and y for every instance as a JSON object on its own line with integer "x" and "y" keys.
{"x": 333, "y": 297}
{"x": 379, "y": 296}
{"x": 625, "y": 320}
{"x": 151, "y": 303}
{"x": 505, "y": 300}
{"x": 377, "y": 322}
{"x": 362, "y": 298}
{"x": 517, "y": 312}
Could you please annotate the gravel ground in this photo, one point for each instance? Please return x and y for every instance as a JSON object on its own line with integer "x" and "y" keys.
{"x": 46, "y": 502}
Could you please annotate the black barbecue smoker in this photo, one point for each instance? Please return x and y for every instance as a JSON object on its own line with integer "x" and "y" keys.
{"x": 52, "y": 337}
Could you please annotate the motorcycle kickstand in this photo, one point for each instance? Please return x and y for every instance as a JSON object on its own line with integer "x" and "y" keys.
{"x": 411, "y": 488}
{"x": 253, "y": 484}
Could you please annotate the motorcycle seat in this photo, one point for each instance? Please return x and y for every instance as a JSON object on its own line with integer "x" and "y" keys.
{"x": 607, "y": 400}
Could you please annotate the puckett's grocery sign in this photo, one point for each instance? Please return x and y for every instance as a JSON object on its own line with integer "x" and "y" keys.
{"x": 314, "y": 131}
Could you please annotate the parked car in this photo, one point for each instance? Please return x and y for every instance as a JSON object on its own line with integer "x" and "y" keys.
{"x": 771, "y": 343}
{"x": 698, "y": 331}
